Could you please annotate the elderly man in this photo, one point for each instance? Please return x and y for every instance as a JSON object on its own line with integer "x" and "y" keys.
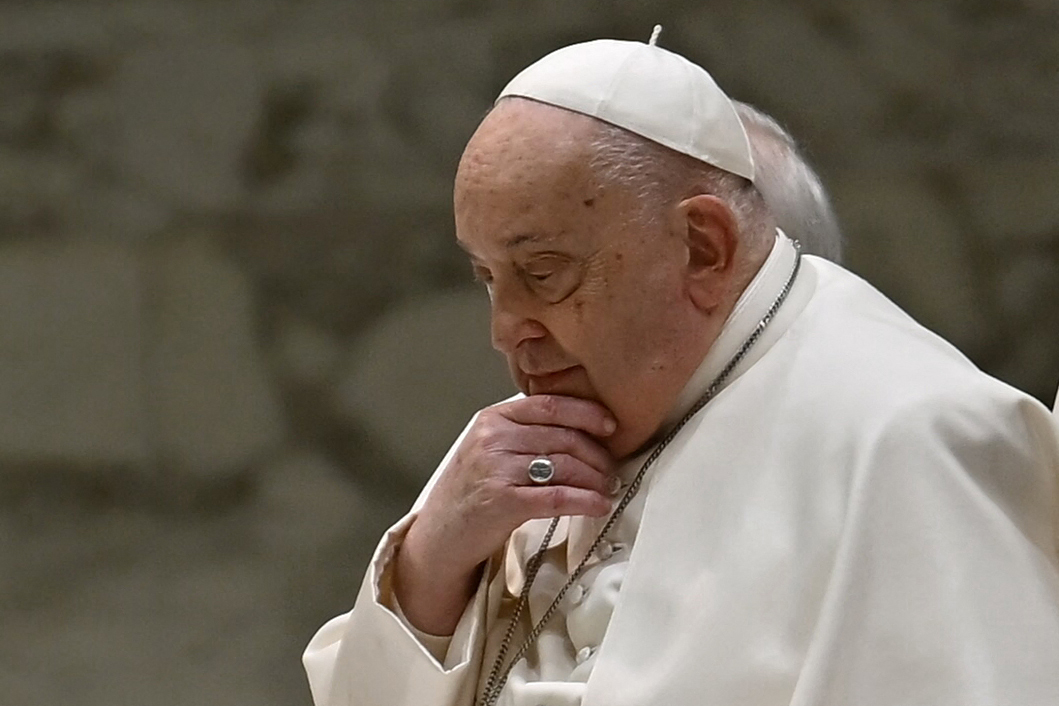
{"x": 736, "y": 476}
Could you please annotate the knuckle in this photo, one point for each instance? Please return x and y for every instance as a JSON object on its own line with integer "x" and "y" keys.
{"x": 489, "y": 419}
{"x": 489, "y": 434}
{"x": 477, "y": 432}
{"x": 548, "y": 406}
{"x": 489, "y": 439}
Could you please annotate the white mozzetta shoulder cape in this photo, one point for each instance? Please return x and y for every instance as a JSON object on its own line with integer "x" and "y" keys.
{"x": 861, "y": 518}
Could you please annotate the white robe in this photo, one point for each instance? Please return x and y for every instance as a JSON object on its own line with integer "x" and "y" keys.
{"x": 860, "y": 517}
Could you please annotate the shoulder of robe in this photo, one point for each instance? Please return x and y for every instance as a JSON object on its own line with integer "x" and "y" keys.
{"x": 863, "y": 370}
{"x": 871, "y": 361}
{"x": 988, "y": 444}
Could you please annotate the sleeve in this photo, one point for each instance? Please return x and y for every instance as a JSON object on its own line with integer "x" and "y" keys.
{"x": 371, "y": 657}
{"x": 945, "y": 588}
{"x": 437, "y": 645}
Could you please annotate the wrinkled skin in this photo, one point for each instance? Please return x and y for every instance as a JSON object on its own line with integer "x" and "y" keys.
{"x": 602, "y": 321}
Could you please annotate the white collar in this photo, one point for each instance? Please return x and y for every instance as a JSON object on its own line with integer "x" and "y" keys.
{"x": 751, "y": 307}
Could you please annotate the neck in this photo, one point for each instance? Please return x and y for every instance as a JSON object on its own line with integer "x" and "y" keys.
{"x": 725, "y": 333}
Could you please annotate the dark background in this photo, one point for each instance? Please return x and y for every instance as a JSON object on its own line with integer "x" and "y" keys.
{"x": 235, "y": 334}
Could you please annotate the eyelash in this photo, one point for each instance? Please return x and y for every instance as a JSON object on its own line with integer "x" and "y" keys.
{"x": 480, "y": 274}
{"x": 483, "y": 276}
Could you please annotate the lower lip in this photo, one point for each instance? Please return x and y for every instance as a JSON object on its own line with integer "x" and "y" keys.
{"x": 545, "y": 384}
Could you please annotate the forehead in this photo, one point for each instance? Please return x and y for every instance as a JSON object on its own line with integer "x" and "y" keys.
{"x": 522, "y": 143}
{"x": 526, "y": 175}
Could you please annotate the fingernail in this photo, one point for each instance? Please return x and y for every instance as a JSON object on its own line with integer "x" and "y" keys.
{"x": 613, "y": 485}
{"x": 609, "y": 425}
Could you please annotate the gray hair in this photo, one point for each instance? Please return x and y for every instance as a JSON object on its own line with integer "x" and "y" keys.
{"x": 790, "y": 187}
{"x": 657, "y": 175}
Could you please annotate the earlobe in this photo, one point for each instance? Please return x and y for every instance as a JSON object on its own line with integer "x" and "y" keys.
{"x": 711, "y": 237}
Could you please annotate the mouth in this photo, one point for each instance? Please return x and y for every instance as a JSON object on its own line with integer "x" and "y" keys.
{"x": 556, "y": 382}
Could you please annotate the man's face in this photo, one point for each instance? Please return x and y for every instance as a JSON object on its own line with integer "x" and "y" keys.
{"x": 586, "y": 300}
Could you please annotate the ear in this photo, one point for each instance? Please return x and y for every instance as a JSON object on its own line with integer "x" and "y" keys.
{"x": 711, "y": 235}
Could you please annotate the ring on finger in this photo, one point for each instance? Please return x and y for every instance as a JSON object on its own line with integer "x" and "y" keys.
{"x": 541, "y": 470}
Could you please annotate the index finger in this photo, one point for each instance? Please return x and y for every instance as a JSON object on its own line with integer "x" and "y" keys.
{"x": 561, "y": 411}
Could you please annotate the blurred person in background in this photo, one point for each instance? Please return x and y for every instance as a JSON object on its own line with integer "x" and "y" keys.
{"x": 791, "y": 189}
{"x": 737, "y": 473}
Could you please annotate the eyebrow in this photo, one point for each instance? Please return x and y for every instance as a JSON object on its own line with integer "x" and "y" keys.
{"x": 511, "y": 243}
{"x": 522, "y": 238}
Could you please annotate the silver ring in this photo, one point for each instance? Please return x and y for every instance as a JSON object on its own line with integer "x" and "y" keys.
{"x": 541, "y": 471}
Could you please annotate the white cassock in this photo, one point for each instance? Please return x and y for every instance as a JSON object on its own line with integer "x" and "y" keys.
{"x": 860, "y": 518}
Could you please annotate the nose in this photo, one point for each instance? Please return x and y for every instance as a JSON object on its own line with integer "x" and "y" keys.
{"x": 512, "y": 320}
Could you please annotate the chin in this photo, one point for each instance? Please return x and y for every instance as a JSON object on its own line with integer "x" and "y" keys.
{"x": 635, "y": 435}
{"x": 626, "y": 444}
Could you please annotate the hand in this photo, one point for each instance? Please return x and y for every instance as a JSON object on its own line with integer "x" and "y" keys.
{"x": 484, "y": 494}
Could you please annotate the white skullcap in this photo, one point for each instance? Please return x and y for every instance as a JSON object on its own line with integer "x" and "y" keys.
{"x": 647, "y": 90}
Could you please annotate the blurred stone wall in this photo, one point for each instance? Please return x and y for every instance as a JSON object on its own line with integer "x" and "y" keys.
{"x": 236, "y": 333}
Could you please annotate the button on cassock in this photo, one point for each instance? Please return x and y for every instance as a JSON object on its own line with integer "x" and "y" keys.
{"x": 609, "y": 549}
{"x": 577, "y": 594}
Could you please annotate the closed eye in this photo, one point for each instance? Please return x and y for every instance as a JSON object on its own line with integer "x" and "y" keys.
{"x": 552, "y": 278}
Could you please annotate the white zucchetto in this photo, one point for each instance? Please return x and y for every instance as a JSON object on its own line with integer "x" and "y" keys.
{"x": 645, "y": 89}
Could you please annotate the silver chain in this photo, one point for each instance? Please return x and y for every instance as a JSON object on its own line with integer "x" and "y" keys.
{"x": 499, "y": 673}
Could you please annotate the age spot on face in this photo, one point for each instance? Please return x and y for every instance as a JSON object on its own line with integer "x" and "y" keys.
{"x": 589, "y": 202}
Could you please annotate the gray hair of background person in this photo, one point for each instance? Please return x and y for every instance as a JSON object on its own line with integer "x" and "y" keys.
{"x": 790, "y": 187}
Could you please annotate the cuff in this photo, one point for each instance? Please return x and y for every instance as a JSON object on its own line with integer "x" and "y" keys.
{"x": 372, "y": 656}
{"x": 436, "y": 645}
{"x": 447, "y": 651}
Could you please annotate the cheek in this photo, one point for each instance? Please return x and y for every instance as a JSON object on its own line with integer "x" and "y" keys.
{"x": 608, "y": 333}
{"x": 641, "y": 328}
{"x": 579, "y": 308}
{"x": 617, "y": 321}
